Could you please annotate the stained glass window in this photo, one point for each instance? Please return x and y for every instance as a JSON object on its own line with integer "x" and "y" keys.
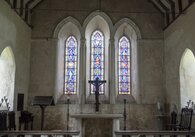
{"x": 124, "y": 66}
{"x": 71, "y": 57}
{"x": 97, "y": 59}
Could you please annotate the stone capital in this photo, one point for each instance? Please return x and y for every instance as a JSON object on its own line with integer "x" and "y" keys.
{"x": 83, "y": 41}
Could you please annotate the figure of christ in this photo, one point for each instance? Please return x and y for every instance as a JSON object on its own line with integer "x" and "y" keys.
{"x": 97, "y": 83}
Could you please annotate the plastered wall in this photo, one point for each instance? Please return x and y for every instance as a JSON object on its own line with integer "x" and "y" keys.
{"x": 16, "y": 35}
{"x": 178, "y": 37}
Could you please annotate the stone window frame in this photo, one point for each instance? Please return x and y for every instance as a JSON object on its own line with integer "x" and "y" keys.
{"x": 128, "y": 28}
{"x": 111, "y": 95}
{"x": 77, "y": 61}
{"x": 117, "y": 69}
{"x": 68, "y": 26}
{"x": 103, "y": 55}
{"x": 185, "y": 94}
{"x": 7, "y": 47}
{"x": 102, "y": 22}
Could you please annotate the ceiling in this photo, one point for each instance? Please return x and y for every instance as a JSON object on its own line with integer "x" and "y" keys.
{"x": 171, "y": 9}
{"x": 24, "y": 7}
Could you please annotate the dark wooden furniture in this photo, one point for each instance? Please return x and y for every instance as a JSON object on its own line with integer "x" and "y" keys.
{"x": 185, "y": 120}
{"x": 26, "y": 119}
{"x": 173, "y": 120}
{"x": 11, "y": 119}
{"x": 43, "y": 102}
{"x": 3, "y": 120}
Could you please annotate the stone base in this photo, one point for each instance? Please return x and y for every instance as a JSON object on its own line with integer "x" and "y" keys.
{"x": 98, "y": 127}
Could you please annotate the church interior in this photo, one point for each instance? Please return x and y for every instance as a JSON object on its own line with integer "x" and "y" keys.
{"x": 96, "y": 66}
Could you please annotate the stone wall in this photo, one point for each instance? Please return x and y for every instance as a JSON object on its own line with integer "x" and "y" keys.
{"x": 16, "y": 35}
{"x": 50, "y": 12}
{"x": 45, "y": 17}
{"x": 138, "y": 116}
{"x": 178, "y": 37}
{"x": 94, "y": 127}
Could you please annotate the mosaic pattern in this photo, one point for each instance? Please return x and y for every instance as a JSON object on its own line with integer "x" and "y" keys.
{"x": 97, "y": 59}
{"x": 124, "y": 66}
{"x": 71, "y": 57}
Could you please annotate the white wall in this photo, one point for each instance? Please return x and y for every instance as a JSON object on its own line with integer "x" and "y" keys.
{"x": 178, "y": 36}
{"x": 16, "y": 34}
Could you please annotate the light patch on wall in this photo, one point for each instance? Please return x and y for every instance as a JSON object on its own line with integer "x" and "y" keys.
{"x": 7, "y": 75}
{"x": 187, "y": 77}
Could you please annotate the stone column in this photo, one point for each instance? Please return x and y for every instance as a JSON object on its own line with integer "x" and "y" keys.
{"x": 54, "y": 45}
{"x": 140, "y": 80}
{"x": 80, "y": 127}
{"x": 57, "y": 55}
{"x": 116, "y": 126}
{"x": 112, "y": 61}
{"x": 82, "y": 77}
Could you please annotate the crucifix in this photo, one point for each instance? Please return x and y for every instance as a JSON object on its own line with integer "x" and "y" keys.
{"x": 97, "y": 83}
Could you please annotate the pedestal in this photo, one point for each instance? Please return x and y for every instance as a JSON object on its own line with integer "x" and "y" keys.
{"x": 162, "y": 118}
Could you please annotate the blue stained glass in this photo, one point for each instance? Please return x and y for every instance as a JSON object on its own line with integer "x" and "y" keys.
{"x": 97, "y": 72}
{"x": 124, "y": 66}
{"x": 70, "y": 52}
{"x": 71, "y": 65}
{"x": 125, "y": 87}
{"x": 97, "y": 59}
{"x": 70, "y": 87}
{"x": 71, "y": 58}
{"x": 124, "y": 58}
{"x": 97, "y": 50}
{"x": 124, "y": 78}
{"x": 123, "y": 71}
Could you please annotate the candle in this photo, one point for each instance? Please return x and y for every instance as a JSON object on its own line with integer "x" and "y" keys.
{"x": 158, "y": 105}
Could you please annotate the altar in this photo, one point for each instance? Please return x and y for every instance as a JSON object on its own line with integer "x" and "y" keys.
{"x": 97, "y": 125}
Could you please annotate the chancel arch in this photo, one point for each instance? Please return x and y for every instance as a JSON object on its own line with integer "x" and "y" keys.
{"x": 126, "y": 32}
{"x": 7, "y": 76}
{"x": 98, "y": 23}
{"x": 68, "y": 37}
{"x": 187, "y": 77}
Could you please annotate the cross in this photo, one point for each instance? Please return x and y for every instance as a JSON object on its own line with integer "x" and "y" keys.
{"x": 97, "y": 83}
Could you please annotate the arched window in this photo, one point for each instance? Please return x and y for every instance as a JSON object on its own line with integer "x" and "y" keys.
{"x": 7, "y": 78}
{"x": 71, "y": 61}
{"x": 97, "y": 59}
{"x": 187, "y": 77}
{"x": 124, "y": 57}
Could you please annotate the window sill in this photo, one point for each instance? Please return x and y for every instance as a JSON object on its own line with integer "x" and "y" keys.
{"x": 74, "y": 99}
{"x": 102, "y": 99}
{"x": 129, "y": 98}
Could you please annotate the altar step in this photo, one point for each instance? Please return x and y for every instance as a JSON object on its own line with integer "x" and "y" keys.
{"x": 128, "y": 133}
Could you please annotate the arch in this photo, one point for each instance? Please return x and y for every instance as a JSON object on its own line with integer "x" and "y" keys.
{"x": 7, "y": 75}
{"x": 105, "y": 17}
{"x": 67, "y": 27}
{"x": 131, "y": 24}
{"x": 63, "y": 22}
{"x": 124, "y": 28}
{"x": 97, "y": 22}
{"x": 187, "y": 77}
